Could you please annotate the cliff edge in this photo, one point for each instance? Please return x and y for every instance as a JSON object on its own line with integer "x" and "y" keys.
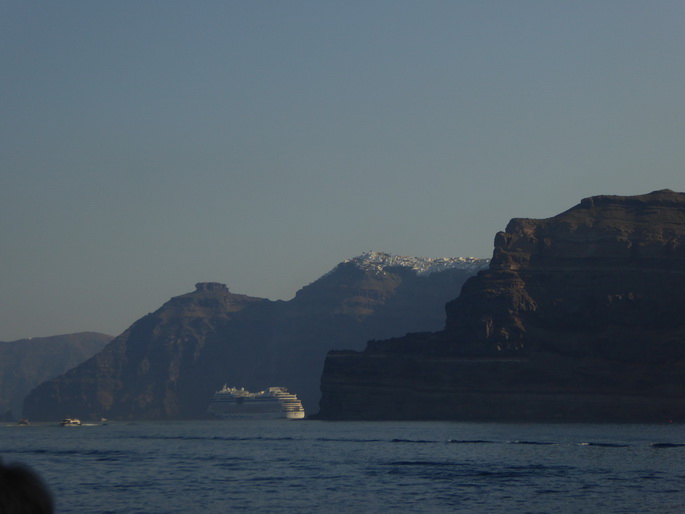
{"x": 580, "y": 317}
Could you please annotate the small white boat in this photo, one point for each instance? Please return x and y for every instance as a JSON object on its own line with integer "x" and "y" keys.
{"x": 71, "y": 422}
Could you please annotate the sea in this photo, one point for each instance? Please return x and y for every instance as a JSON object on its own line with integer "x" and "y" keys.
{"x": 339, "y": 467}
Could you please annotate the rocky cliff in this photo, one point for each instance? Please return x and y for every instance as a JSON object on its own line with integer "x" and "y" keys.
{"x": 27, "y": 362}
{"x": 168, "y": 364}
{"x": 579, "y": 317}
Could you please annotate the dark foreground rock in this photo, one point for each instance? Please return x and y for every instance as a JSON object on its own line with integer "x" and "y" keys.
{"x": 580, "y": 317}
{"x": 168, "y": 364}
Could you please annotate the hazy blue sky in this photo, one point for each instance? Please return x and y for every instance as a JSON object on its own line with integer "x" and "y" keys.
{"x": 150, "y": 145}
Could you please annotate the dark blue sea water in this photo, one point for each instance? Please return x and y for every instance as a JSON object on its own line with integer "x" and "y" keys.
{"x": 316, "y": 466}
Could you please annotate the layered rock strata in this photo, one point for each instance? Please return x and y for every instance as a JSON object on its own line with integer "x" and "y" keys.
{"x": 580, "y": 317}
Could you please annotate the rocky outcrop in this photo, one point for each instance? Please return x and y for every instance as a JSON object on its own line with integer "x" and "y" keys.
{"x": 27, "y": 362}
{"x": 168, "y": 364}
{"x": 579, "y": 317}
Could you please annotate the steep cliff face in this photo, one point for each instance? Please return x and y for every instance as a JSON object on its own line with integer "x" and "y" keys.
{"x": 27, "y": 362}
{"x": 168, "y": 364}
{"x": 579, "y": 317}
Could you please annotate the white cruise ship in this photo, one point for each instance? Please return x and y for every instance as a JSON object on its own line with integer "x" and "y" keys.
{"x": 275, "y": 402}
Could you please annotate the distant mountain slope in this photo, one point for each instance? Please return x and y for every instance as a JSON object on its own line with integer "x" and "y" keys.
{"x": 27, "y": 362}
{"x": 168, "y": 364}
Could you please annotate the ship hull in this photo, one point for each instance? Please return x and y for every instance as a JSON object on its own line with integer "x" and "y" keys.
{"x": 257, "y": 415}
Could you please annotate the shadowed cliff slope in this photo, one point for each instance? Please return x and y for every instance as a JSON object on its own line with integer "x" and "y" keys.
{"x": 168, "y": 364}
{"x": 579, "y": 317}
{"x": 27, "y": 362}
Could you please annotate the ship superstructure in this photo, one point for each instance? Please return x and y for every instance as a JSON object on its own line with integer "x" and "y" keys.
{"x": 275, "y": 402}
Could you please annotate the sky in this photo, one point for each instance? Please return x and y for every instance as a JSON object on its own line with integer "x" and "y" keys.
{"x": 149, "y": 145}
